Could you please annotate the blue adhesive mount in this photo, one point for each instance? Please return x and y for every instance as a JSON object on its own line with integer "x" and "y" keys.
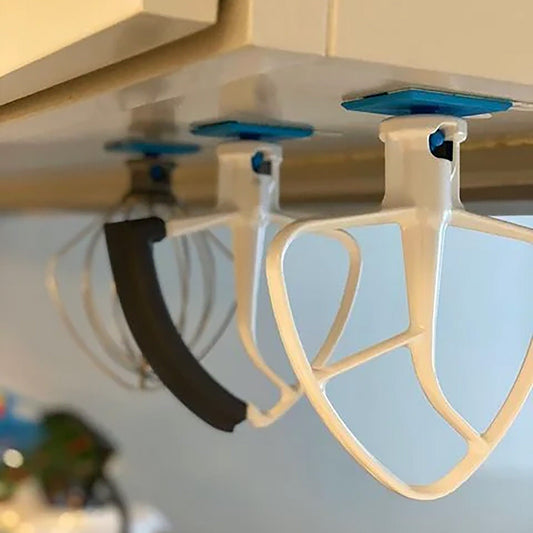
{"x": 151, "y": 148}
{"x": 252, "y": 131}
{"x": 436, "y": 139}
{"x": 258, "y": 160}
{"x": 413, "y": 101}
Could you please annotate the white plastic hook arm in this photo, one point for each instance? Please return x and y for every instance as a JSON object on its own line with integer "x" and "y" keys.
{"x": 247, "y": 201}
{"x": 422, "y": 198}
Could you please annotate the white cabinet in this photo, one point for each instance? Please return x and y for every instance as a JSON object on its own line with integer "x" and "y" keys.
{"x": 476, "y": 38}
{"x": 46, "y": 42}
{"x": 293, "y": 25}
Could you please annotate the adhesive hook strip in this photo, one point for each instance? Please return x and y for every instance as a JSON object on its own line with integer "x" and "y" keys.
{"x": 413, "y": 101}
{"x": 151, "y": 147}
{"x": 235, "y": 129}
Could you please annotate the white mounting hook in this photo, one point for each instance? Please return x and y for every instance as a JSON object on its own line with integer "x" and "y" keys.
{"x": 422, "y": 198}
{"x": 248, "y": 200}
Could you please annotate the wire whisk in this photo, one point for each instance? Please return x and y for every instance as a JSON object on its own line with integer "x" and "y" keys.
{"x": 117, "y": 354}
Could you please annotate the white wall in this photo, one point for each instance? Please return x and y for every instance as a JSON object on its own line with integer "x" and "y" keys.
{"x": 294, "y": 476}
